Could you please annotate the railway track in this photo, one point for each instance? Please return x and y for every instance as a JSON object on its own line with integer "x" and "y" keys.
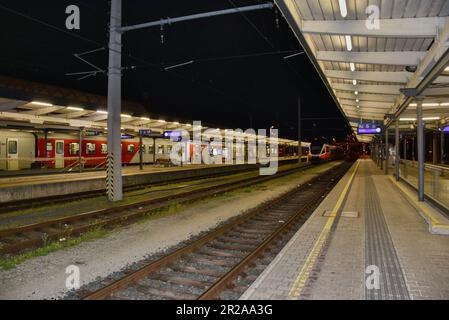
{"x": 18, "y": 239}
{"x": 213, "y": 266}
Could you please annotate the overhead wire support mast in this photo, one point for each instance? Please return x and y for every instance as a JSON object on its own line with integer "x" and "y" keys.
{"x": 114, "y": 174}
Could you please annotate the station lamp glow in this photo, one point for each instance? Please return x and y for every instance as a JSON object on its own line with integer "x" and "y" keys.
{"x": 125, "y": 116}
{"x": 75, "y": 109}
{"x": 352, "y": 66}
{"x": 161, "y": 121}
{"x": 425, "y": 119}
{"x": 44, "y": 104}
{"x": 357, "y": 100}
{"x": 348, "y": 43}
{"x": 430, "y": 104}
{"x": 356, "y": 92}
{"x": 447, "y": 69}
{"x": 343, "y": 8}
{"x": 102, "y": 111}
{"x": 354, "y": 82}
{"x": 145, "y": 118}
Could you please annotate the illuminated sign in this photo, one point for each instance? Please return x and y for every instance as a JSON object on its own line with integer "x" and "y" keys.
{"x": 368, "y": 128}
{"x": 173, "y": 135}
{"x": 445, "y": 129}
{"x": 145, "y": 133}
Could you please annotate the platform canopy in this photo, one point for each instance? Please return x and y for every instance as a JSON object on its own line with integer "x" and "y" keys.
{"x": 365, "y": 61}
{"x": 41, "y": 115}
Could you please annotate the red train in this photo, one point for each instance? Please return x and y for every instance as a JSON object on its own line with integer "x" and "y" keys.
{"x": 325, "y": 152}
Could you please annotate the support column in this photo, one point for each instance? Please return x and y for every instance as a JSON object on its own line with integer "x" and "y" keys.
{"x": 80, "y": 151}
{"x": 443, "y": 153}
{"x": 435, "y": 148}
{"x": 413, "y": 149}
{"x": 115, "y": 192}
{"x": 140, "y": 151}
{"x": 386, "y": 151}
{"x": 45, "y": 148}
{"x": 420, "y": 135}
{"x": 405, "y": 147}
{"x": 397, "y": 150}
{"x": 381, "y": 155}
{"x": 299, "y": 131}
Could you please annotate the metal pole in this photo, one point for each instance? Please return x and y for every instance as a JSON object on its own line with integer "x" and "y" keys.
{"x": 413, "y": 149}
{"x": 169, "y": 21}
{"x": 397, "y": 150}
{"x": 386, "y": 151}
{"x": 420, "y": 134}
{"x": 435, "y": 149}
{"x": 299, "y": 131}
{"x": 443, "y": 154}
{"x": 140, "y": 151}
{"x": 115, "y": 192}
{"x": 80, "y": 151}
{"x": 405, "y": 147}
{"x": 381, "y": 154}
{"x": 45, "y": 148}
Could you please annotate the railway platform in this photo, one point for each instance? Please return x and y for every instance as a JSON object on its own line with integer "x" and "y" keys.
{"x": 369, "y": 239}
{"x": 52, "y": 185}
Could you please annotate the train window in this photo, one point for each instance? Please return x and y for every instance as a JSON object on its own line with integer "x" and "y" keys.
{"x": 49, "y": 146}
{"x": 150, "y": 149}
{"x": 131, "y": 148}
{"x": 12, "y": 147}
{"x": 74, "y": 148}
{"x": 168, "y": 149}
{"x": 90, "y": 148}
{"x": 59, "y": 147}
{"x": 160, "y": 149}
{"x": 104, "y": 148}
{"x": 144, "y": 149}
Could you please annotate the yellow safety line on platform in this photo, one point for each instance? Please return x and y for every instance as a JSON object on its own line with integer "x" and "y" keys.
{"x": 304, "y": 274}
{"x": 434, "y": 221}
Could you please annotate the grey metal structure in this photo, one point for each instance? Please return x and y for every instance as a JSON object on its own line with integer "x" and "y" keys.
{"x": 420, "y": 135}
{"x": 397, "y": 151}
{"x": 299, "y": 131}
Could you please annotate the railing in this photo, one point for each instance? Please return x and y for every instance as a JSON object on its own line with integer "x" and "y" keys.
{"x": 436, "y": 180}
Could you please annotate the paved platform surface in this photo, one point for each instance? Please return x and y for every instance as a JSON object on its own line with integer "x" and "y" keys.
{"x": 366, "y": 243}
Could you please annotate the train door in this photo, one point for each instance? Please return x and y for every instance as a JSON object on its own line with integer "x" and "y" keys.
{"x": 59, "y": 154}
{"x": 3, "y": 165}
{"x": 12, "y": 154}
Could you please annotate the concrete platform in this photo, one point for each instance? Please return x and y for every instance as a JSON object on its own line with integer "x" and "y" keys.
{"x": 38, "y": 186}
{"x": 367, "y": 240}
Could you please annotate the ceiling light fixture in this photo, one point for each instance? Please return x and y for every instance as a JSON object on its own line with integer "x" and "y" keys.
{"x": 44, "y": 104}
{"x": 348, "y": 43}
{"x": 352, "y": 66}
{"x": 75, "y": 109}
{"x": 343, "y": 8}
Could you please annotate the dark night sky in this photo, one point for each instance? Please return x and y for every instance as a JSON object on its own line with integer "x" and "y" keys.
{"x": 221, "y": 87}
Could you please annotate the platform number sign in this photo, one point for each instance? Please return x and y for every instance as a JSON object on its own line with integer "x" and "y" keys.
{"x": 368, "y": 128}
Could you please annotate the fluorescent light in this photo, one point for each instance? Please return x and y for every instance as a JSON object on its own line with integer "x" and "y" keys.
{"x": 343, "y": 8}
{"x": 356, "y": 92}
{"x": 357, "y": 100}
{"x": 430, "y": 104}
{"x": 425, "y": 119}
{"x": 189, "y": 125}
{"x": 125, "y": 116}
{"x": 176, "y": 123}
{"x": 354, "y": 82}
{"x": 413, "y": 104}
{"x": 102, "y": 112}
{"x": 145, "y": 118}
{"x": 358, "y": 107}
{"x": 161, "y": 121}
{"x": 44, "y": 104}
{"x": 75, "y": 109}
{"x": 352, "y": 66}
{"x": 447, "y": 69}
{"x": 444, "y": 104}
{"x": 348, "y": 43}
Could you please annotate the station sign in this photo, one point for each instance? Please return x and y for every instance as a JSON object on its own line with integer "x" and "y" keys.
{"x": 368, "y": 128}
{"x": 445, "y": 129}
{"x": 145, "y": 133}
{"x": 127, "y": 136}
{"x": 173, "y": 135}
{"x": 91, "y": 133}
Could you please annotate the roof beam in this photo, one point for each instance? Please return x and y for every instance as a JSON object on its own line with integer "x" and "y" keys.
{"x": 377, "y": 76}
{"x": 402, "y": 58}
{"x": 366, "y": 96}
{"x": 382, "y": 89}
{"x": 391, "y": 28}
{"x": 361, "y": 103}
{"x": 76, "y": 114}
{"x": 12, "y": 105}
{"x": 42, "y": 111}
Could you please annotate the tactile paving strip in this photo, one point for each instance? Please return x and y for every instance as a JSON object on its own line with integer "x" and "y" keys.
{"x": 380, "y": 251}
